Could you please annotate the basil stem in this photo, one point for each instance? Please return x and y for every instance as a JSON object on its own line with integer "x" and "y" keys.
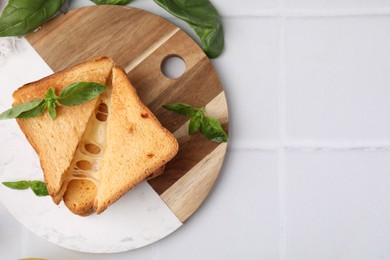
{"x": 202, "y": 16}
{"x": 195, "y": 122}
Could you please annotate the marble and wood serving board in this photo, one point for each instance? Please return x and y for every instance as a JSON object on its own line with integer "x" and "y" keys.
{"x": 140, "y": 42}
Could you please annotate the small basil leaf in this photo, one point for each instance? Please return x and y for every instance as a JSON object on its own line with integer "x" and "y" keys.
{"x": 182, "y": 108}
{"x": 51, "y": 107}
{"x": 112, "y": 2}
{"x": 212, "y": 130}
{"x": 17, "y": 185}
{"x": 195, "y": 122}
{"x": 19, "y": 109}
{"x": 80, "y": 92}
{"x": 39, "y": 188}
{"x": 23, "y": 16}
{"x": 202, "y": 16}
{"x": 36, "y": 111}
{"x": 51, "y": 94}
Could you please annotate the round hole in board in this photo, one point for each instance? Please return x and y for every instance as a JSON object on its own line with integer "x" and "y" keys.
{"x": 92, "y": 148}
{"x": 84, "y": 165}
{"x": 173, "y": 66}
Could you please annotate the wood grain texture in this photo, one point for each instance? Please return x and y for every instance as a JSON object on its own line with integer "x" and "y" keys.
{"x": 140, "y": 42}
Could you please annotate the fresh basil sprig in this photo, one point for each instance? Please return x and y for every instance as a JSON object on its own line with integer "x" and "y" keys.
{"x": 20, "y": 17}
{"x": 209, "y": 127}
{"x": 38, "y": 187}
{"x": 112, "y": 2}
{"x": 75, "y": 94}
{"x": 202, "y": 16}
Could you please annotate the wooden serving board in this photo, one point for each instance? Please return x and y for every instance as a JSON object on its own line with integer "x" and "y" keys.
{"x": 140, "y": 42}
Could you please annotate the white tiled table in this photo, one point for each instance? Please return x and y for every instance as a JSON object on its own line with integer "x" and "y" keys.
{"x": 307, "y": 174}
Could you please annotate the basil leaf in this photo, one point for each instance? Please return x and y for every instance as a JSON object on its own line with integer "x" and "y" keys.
{"x": 202, "y": 16}
{"x": 212, "y": 130}
{"x": 19, "y": 109}
{"x": 80, "y": 92}
{"x": 51, "y": 94}
{"x": 209, "y": 127}
{"x": 51, "y": 107}
{"x": 23, "y": 16}
{"x": 17, "y": 185}
{"x": 182, "y": 108}
{"x": 112, "y": 2}
{"x": 36, "y": 111}
{"x": 39, "y": 188}
{"x": 195, "y": 122}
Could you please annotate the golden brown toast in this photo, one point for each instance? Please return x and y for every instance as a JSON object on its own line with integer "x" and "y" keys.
{"x": 99, "y": 150}
{"x": 55, "y": 141}
{"x": 137, "y": 144}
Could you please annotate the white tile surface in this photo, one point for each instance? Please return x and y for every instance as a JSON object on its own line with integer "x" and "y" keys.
{"x": 337, "y": 80}
{"x": 336, "y": 4}
{"x": 337, "y": 205}
{"x": 242, "y": 210}
{"x": 244, "y": 7}
{"x": 224, "y": 7}
{"x": 249, "y": 72}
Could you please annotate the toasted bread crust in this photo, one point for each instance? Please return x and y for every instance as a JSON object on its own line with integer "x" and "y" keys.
{"x": 137, "y": 145}
{"x": 44, "y": 135}
{"x": 79, "y": 197}
{"x": 148, "y": 136}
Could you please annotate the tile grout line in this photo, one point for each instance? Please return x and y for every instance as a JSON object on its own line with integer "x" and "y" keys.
{"x": 312, "y": 148}
{"x": 309, "y": 13}
{"x": 282, "y": 132}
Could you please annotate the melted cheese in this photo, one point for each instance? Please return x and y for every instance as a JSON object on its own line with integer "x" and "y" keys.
{"x": 92, "y": 146}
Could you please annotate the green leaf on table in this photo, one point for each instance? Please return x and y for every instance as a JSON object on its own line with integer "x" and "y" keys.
{"x": 112, "y": 2}
{"x": 20, "y": 17}
{"x": 80, "y": 92}
{"x": 202, "y": 16}
{"x": 39, "y": 188}
{"x": 182, "y": 108}
{"x": 212, "y": 130}
{"x": 195, "y": 122}
{"x": 17, "y": 185}
{"x": 17, "y": 110}
{"x": 209, "y": 127}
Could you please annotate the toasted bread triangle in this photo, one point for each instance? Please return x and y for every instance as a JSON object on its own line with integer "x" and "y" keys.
{"x": 55, "y": 141}
{"x": 137, "y": 144}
